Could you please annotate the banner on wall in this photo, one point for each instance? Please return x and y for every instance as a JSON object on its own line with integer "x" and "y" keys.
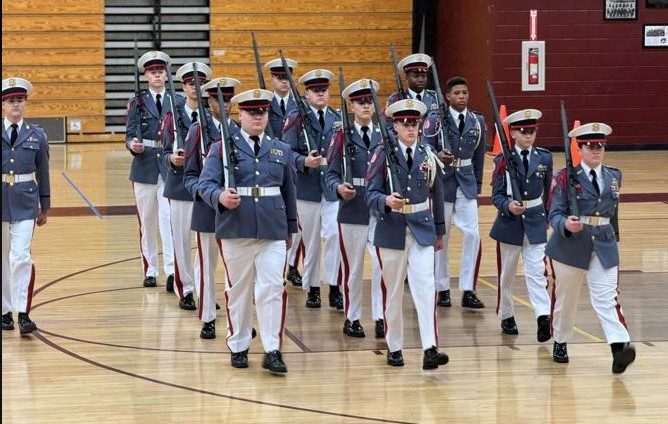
{"x": 533, "y": 66}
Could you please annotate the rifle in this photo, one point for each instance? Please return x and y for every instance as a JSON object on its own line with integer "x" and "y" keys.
{"x": 347, "y": 129}
{"x": 205, "y": 133}
{"x": 260, "y": 77}
{"x": 138, "y": 95}
{"x": 176, "y": 111}
{"x": 391, "y": 154}
{"x": 307, "y": 129}
{"x": 442, "y": 110}
{"x": 397, "y": 75}
{"x": 507, "y": 155}
{"x": 229, "y": 154}
{"x": 570, "y": 171}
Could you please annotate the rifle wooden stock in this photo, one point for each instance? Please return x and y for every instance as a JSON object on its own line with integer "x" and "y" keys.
{"x": 391, "y": 154}
{"x": 346, "y": 129}
{"x": 301, "y": 107}
{"x": 507, "y": 155}
{"x": 570, "y": 170}
{"x": 397, "y": 74}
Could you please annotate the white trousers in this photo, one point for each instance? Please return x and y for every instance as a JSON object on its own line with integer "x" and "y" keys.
{"x": 153, "y": 212}
{"x": 318, "y": 220}
{"x": 465, "y": 213}
{"x": 533, "y": 257}
{"x": 354, "y": 240}
{"x": 255, "y": 270}
{"x": 181, "y": 216}
{"x": 603, "y": 294}
{"x": 418, "y": 263}
{"x": 18, "y": 270}
{"x": 206, "y": 262}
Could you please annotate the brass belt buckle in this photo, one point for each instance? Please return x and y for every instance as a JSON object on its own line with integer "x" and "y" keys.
{"x": 525, "y": 203}
{"x": 11, "y": 179}
{"x": 594, "y": 220}
{"x": 255, "y": 191}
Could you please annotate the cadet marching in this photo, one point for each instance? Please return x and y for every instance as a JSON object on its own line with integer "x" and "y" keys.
{"x": 294, "y": 173}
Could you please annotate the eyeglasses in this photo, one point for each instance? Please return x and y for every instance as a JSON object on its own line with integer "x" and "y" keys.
{"x": 527, "y": 130}
{"x": 595, "y": 145}
{"x": 256, "y": 112}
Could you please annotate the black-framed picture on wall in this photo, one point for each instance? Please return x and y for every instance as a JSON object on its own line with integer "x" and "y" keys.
{"x": 656, "y": 4}
{"x": 655, "y": 36}
{"x": 620, "y": 10}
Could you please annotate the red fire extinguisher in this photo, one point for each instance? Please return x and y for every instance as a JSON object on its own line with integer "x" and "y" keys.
{"x": 533, "y": 66}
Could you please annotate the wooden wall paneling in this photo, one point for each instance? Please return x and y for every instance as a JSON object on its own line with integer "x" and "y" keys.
{"x": 60, "y": 7}
{"x": 53, "y": 23}
{"x": 37, "y": 40}
{"x": 309, "y": 6}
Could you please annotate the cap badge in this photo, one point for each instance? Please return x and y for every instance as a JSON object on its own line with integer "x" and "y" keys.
{"x": 595, "y": 127}
{"x": 318, "y": 73}
{"x": 364, "y": 84}
{"x": 527, "y": 114}
{"x": 409, "y": 103}
{"x": 12, "y": 82}
{"x": 256, "y": 94}
{"x": 154, "y": 55}
{"x": 222, "y": 82}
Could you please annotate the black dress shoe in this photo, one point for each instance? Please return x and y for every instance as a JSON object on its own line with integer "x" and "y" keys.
{"x": 380, "y": 329}
{"x": 544, "y": 333}
{"x": 353, "y": 329}
{"x": 7, "y": 321}
{"x": 508, "y": 326}
{"x": 26, "y": 325}
{"x": 208, "y": 330}
{"x": 313, "y": 297}
{"x": 335, "y": 298}
{"x": 294, "y": 277}
{"x": 253, "y": 333}
{"x": 395, "y": 359}
{"x": 444, "y": 299}
{"x": 169, "y": 285}
{"x": 187, "y": 303}
{"x": 560, "y": 353}
{"x": 623, "y": 354}
{"x": 433, "y": 358}
{"x": 217, "y": 306}
{"x": 273, "y": 362}
{"x": 471, "y": 301}
{"x": 150, "y": 281}
{"x": 240, "y": 359}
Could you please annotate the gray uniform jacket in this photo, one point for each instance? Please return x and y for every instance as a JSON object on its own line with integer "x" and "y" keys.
{"x": 355, "y": 210}
{"x": 276, "y": 116}
{"x": 470, "y": 145}
{"x": 30, "y": 153}
{"x": 391, "y": 227}
{"x": 146, "y": 166}
{"x": 267, "y": 217}
{"x": 203, "y": 217}
{"x": 509, "y": 228}
{"x": 575, "y": 249}
{"x": 311, "y": 184}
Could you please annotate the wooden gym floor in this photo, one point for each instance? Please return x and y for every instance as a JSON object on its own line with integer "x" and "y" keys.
{"x": 109, "y": 350}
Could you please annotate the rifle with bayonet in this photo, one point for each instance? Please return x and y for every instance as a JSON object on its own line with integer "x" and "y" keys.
{"x": 505, "y": 148}
{"x": 570, "y": 170}
{"x": 346, "y": 130}
{"x": 397, "y": 75}
{"x": 205, "y": 131}
{"x": 229, "y": 154}
{"x": 442, "y": 111}
{"x": 260, "y": 77}
{"x": 138, "y": 96}
{"x": 307, "y": 129}
{"x": 175, "y": 109}
{"x": 388, "y": 144}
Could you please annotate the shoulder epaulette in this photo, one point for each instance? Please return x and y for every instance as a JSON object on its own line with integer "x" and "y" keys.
{"x": 542, "y": 149}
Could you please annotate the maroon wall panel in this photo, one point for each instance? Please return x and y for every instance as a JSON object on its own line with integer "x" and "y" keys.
{"x": 599, "y": 68}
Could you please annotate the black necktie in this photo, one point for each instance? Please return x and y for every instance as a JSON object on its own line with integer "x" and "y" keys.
{"x": 409, "y": 158}
{"x": 256, "y": 145}
{"x": 525, "y": 161}
{"x": 419, "y": 97}
{"x": 461, "y": 123}
{"x": 15, "y": 133}
{"x": 594, "y": 182}
{"x": 321, "y": 119}
{"x": 365, "y": 136}
{"x": 158, "y": 104}
{"x": 193, "y": 116}
{"x": 283, "y": 106}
